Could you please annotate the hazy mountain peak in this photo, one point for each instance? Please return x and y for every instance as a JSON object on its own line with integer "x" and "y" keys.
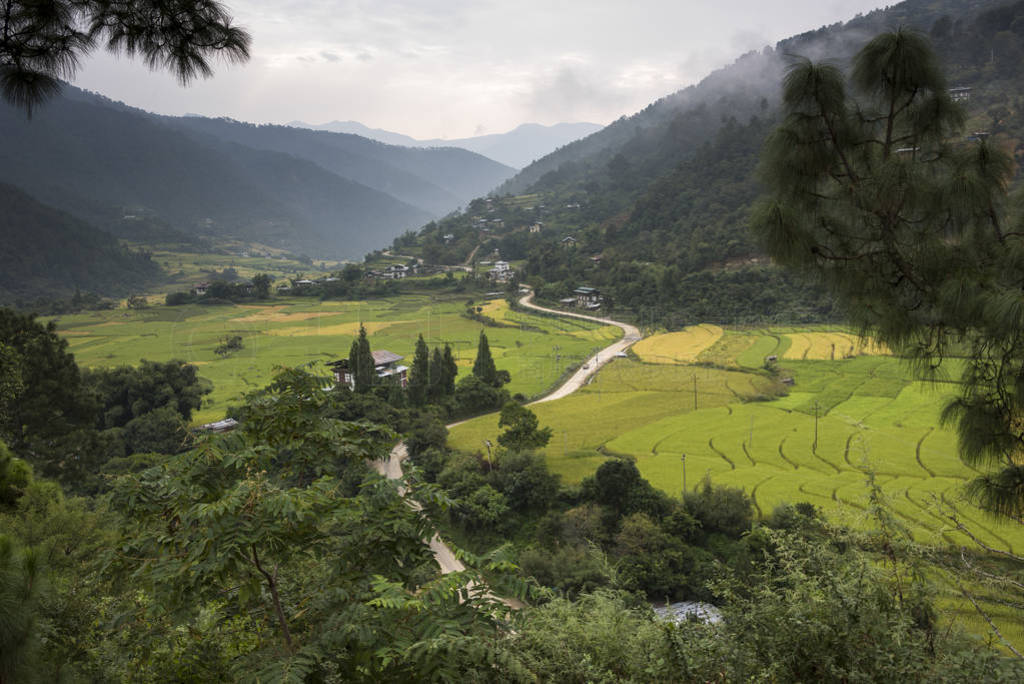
{"x": 517, "y": 148}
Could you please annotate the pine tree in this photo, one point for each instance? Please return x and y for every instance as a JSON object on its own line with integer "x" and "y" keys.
{"x": 874, "y": 192}
{"x": 451, "y": 370}
{"x": 483, "y": 366}
{"x": 360, "y": 362}
{"x": 419, "y": 374}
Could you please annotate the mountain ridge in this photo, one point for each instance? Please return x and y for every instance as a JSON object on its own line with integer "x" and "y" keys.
{"x": 516, "y": 148}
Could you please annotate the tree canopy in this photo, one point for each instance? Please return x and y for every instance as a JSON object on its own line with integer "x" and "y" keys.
{"x": 43, "y": 42}
{"x": 876, "y": 193}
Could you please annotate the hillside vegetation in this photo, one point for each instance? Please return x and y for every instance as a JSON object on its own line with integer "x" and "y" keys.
{"x": 664, "y": 196}
{"x": 48, "y": 251}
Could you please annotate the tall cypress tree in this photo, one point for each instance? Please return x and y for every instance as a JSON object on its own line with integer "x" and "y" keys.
{"x": 360, "y": 362}
{"x": 437, "y": 372}
{"x": 419, "y": 374}
{"x": 450, "y": 371}
{"x": 483, "y": 366}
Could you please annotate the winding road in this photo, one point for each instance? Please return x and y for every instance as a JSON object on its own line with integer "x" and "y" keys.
{"x": 391, "y": 468}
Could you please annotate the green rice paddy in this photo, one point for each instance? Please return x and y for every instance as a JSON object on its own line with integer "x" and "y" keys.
{"x": 536, "y": 350}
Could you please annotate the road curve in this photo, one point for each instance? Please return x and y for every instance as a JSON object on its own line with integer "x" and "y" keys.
{"x": 630, "y": 335}
{"x": 391, "y": 468}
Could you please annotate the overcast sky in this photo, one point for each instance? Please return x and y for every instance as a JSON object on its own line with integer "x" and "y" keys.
{"x": 457, "y": 68}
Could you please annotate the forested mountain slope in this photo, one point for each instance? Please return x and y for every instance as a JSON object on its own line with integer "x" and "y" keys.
{"x": 436, "y": 180}
{"x": 48, "y": 252}
{"x": 84, "y": 154}
{"x": 665, "y": 195}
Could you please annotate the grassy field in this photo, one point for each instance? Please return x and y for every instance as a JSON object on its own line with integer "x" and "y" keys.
{"x": 536, "y": 350}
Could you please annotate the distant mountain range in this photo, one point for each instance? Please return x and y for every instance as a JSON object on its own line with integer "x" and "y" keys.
{"x": 517, "y": 148}
{"x": 317, "y": 192}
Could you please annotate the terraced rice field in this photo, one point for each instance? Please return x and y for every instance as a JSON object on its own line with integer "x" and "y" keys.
{"x": 678, "y": 347}
{"x": 536, "y": 350}
{"x": 812, "y": 441}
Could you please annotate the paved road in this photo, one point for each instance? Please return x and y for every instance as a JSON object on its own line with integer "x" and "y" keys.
{"x": 630, "y": 334}
{"x": 392, "y": 467}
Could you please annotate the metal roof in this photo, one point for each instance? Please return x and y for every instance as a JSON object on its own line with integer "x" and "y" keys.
{"x": 383, "y": 357}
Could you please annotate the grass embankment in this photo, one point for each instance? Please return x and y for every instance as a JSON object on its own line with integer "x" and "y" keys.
{"x": 288, "y": 332}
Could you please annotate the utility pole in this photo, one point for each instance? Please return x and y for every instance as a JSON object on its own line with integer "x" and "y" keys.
{"x": 695, "y": 390}
{"x": 683, "y": 459}
{"x": 814, "y": 448}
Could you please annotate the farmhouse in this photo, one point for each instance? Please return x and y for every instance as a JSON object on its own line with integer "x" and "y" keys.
{"x": 587, "y": 297}
{"x": 200, "y": 289}
{"x": 384, "y": 362}
{"x": 960, "y": 94}
{"x": 501, "y": 272}
{"x": 569, "y": 241}
{"x": 536, "y": 227}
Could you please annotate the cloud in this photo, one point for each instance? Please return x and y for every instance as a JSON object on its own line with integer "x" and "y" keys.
{"x": 329, "y": 56}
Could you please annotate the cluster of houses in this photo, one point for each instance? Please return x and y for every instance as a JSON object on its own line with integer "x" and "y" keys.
{"x": 306, "y": 283}
{"x": 393, "y": 272}
{"x": 501, "y": 272}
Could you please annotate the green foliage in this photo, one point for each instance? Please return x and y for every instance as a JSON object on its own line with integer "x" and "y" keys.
{"x": 50, "y": 400}
{"x": 522, "y": 432}
{"x": 419, "y": 374}
{"x": 721, "y": 509}
{"x": 360, "y": 362}
{"x": 483, "y": 364}
{"x": 21, "y": 589}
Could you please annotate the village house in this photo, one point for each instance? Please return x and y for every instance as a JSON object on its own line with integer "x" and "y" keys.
{"x": 536, "y": 227}
{"x": 501, "y": 272}
{"x": 200, "y": 289}
{"x": 960, "y": 94}
{"x": 569, "y": 241}
{"x": 587, "y": 297}
{"x": 385, "y": 363}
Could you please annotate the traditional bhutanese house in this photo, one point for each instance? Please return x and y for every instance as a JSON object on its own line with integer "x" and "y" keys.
{"x": 960, "y": 93}
{"x": 568, "y": 301}
{"x": 385, "y": 363}
{"x": 200, "y": 289}
{"x": 569, "y": 241}
{"x": 587, "y": 297}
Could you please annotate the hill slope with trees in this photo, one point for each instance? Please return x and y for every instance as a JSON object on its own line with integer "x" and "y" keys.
{"x": 663, "y": 197}
{"x": 50, "y": 252}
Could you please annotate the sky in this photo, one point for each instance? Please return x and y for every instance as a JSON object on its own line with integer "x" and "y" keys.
{"x": 459, "y": 68}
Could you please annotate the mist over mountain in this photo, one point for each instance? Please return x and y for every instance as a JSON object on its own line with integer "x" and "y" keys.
{"x": 663, "y": 197}
{"x": 516, "y": 148}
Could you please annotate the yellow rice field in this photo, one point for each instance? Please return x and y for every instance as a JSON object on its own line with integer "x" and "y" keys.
{"x": 678, "y": 347}
{"x": 830, "y": 346}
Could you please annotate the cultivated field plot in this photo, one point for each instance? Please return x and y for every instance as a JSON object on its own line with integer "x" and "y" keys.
{"x": 832, "y": 346}
{"x": 624, "y": 395}
{"x": 678, "y": 347}
{"x": 536, "y": 350}
{"x": 867, "y": 412}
